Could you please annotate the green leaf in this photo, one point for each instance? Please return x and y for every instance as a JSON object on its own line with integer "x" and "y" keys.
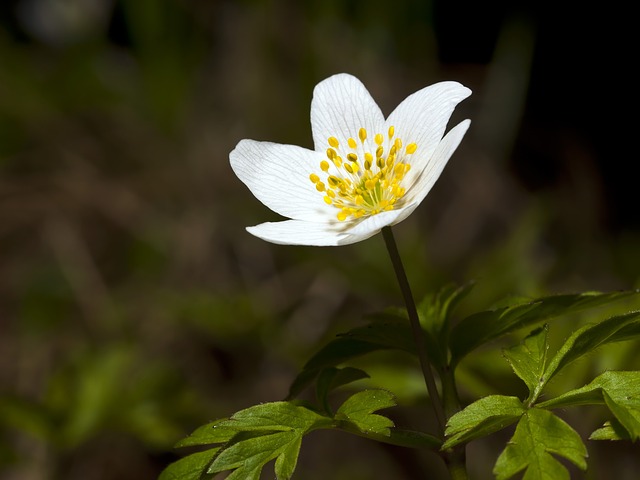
{"x": 481, "y": 418}
{"x": 263, "y": 433}
{"x": 482, "y": 327}
{"x": 274, "y": 416}
{"x": 358, "y": 411}
{"x": 190, "y": 467}
{"x": 587, "y": 339}
{"x": 528, "y": 359}
{"x": 540, "y": 434}
{"x": 332, "y": 378}
{"x": 249, "y": 456}
{"x": 435, "y": 311}
{"x": 387, "y": 330}
{"x": 611, "y": 430}
{"x": 619, "y": 391}
{"x": 208, "y": 434}
{"x": 334, "y": 353}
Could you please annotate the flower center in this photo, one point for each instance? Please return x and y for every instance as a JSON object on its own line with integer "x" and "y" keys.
{"x": 359, "y": 182}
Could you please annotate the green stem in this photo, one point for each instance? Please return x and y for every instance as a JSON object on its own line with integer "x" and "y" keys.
{"x": 418, "y": 334}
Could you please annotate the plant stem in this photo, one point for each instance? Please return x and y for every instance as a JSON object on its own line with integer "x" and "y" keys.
{"x": 418, "y": 334}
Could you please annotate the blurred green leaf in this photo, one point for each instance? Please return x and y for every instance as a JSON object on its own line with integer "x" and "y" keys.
{"x": 482, "y": 327}
{"x": 358, "y": 411}
{"x": 540, "y": 434}
{"x": 435, "y": 311}
{"x": 481, "y": 418}
{"x": 588, "y": 338}
{"x": 386, "y": 330}
{"x": 332, "y": 378}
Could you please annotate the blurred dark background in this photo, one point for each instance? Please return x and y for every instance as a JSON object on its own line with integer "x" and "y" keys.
{"x": 134, "y": 306}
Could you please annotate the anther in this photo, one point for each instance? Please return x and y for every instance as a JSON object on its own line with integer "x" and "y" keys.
{"x": 411, "y": 148}
{"x": 391, "y": 131}
{"x": 352, "y": 143}
{"x": 333, "y": 141}
{"x": 324, "y": 166}
{"x": 362, "y": 133}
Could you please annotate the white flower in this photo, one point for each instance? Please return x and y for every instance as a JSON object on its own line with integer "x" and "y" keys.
{"x": 365, "y": 172}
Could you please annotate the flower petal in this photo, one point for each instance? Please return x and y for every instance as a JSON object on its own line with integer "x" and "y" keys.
{"x": 297, "y": 232}
{"x": 342, "y": 105}
{"x": 423, "y": 116}
{"x": 278, "y": 176}
{"x": 372, "y": 225}
{"x": 426, "y": 179}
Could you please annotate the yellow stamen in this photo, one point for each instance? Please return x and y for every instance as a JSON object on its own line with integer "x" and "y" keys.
{"x": 357, "y": 189}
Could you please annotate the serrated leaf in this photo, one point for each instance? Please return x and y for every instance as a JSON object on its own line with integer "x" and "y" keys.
{"x": 332, "y": 378}
{"x": 266, "y": 432}
{"x": 611, "y": 430}
{"x": 208, "y": 434}
{"x": 538, "y": 436}
{"x": 587, "y": 339}
{"x": 358, "y": 410}
{"x": 249, "y": 456}
{"x": 528, "y": 359}
{"x": 190, "y": 467}
{"x": 274, "y": 416}
{"x": 483, "y": 327}
{"x": 481, "y": 418}
{"x": 619, "y": 391}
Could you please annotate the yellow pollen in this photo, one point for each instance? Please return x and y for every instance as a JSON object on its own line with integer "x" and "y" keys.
{"x": 360, "y": 189}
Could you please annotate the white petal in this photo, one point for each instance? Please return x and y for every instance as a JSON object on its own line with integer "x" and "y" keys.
{"x": 426, "y": 179}
{"x": 278, "y": 175}
{"x": 423, "y": 116}
{"x": 342, "y": 105}
{"x": 296, "y": 232}
{"x": 372, "y": 225}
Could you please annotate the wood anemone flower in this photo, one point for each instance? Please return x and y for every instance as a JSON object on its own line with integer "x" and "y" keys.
{"x": 364, "y": 173}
